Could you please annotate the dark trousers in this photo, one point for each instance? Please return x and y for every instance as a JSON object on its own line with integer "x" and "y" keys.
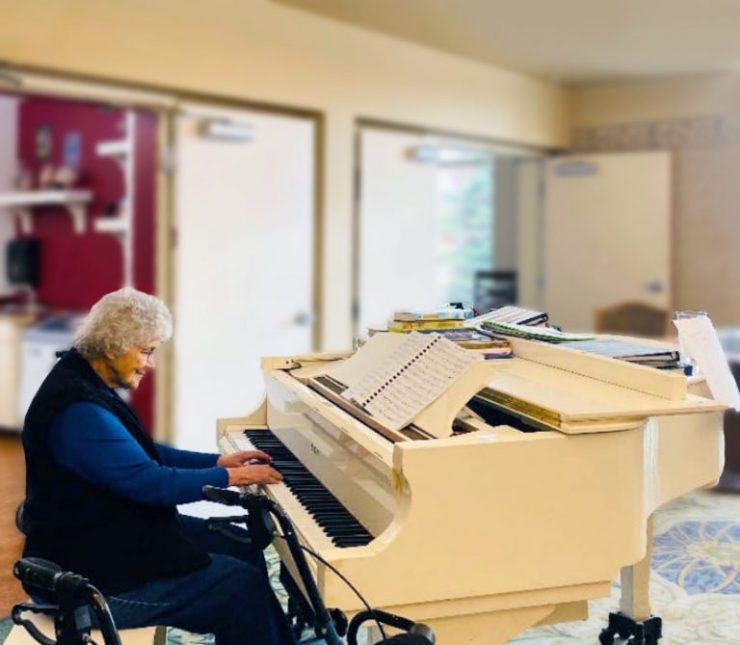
{"x": 231, "y": 598}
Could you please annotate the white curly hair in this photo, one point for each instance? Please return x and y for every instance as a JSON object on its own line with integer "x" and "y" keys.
{"x": 120, "y": 320}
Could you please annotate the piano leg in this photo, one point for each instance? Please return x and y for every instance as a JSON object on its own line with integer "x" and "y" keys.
{"x": 635, "y": 599}
{"x": 634, "y": 620}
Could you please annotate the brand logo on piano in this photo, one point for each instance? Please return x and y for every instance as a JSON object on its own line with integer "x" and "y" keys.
{"x": 315, "y": 450}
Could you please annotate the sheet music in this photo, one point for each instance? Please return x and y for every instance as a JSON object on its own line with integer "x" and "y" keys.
{"x": 386, "y": 368}
{"x": 410, "y": 377}
{"x": 366, "y": 359}
{"x": 700, "y": 338}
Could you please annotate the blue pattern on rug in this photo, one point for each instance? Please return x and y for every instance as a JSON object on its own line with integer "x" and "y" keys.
{"x": 701, "y": 557}
{"x": 693, "y": 583}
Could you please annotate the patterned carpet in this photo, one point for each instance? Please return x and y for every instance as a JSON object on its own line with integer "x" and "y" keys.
{"x": 695, "y": 584}
{"x": 695, "y": 581}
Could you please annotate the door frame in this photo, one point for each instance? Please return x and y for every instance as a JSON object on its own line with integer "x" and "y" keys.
{"x": 438, "y": 136}
{"x": 164, "y": 102}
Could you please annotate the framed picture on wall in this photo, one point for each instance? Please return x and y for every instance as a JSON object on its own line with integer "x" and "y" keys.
{"x": 71, "y": 149}
{"x": 44, "y": 142}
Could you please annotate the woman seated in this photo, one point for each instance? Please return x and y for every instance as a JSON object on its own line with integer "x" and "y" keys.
{"x": 101, "y": 496}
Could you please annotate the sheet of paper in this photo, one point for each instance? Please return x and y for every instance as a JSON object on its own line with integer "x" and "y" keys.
{"x": 410, "y": 378}
{"x": 366, "y": 359}
{"x": 384, "y": 370}
{"x": 700, "y": 338}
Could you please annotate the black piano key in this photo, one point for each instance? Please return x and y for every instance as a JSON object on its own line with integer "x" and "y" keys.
{"x": 328, "y": 512}
{"x": 327, "y": 515}
{"x": 350, "y": 540}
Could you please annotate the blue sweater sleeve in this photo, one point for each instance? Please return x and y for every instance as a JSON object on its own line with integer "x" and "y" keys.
{"x": 91, "y": 442}
{"x": 186, "y": 458}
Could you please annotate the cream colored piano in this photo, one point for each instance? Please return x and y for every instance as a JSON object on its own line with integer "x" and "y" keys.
{"x": 513, "y": 511}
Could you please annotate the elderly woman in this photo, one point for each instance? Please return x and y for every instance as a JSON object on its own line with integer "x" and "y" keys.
{"x": 101, "y": 496}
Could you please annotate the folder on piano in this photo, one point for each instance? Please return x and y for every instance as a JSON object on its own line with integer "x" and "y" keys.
{"x": 513, "y": 498}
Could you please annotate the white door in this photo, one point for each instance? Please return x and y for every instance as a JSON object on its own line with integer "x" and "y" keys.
{"x": 244, "y": 261}
{"x": 397, "y": 227}
{"x": 607, "y": 234}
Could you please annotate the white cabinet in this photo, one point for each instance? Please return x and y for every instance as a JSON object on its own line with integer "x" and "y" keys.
{"x": 39, "y": 347}
{"x": 11, "y": 335}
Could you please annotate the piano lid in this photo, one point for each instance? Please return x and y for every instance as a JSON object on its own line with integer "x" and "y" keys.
{"x": 573, "y": 403}
{"x": 559, "y": 388}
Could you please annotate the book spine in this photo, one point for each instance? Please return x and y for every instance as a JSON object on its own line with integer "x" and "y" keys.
{"x": 424, "y": 325}
{"x": 443, "y": 314}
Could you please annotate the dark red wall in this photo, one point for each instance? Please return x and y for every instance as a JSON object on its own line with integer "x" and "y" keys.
{"x": 76, "y": 270}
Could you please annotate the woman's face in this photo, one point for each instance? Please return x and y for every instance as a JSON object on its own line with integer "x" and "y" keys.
{"x": 129, "y": 368}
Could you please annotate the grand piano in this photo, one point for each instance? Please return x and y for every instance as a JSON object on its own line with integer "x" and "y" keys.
{"x": 513, "y": 500}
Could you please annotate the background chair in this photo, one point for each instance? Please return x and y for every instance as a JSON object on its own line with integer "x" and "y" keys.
{"x": 633, "y": 319}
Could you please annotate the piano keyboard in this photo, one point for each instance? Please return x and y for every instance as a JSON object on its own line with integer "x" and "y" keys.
{"x": 335, "y": 521}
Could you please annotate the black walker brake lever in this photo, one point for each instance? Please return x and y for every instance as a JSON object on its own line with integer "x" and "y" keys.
{"x": 222, "y": 525}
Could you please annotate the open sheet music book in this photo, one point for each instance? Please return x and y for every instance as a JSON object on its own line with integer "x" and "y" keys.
{"x": 394, "y": 377}
{"x": 626, "y": 350}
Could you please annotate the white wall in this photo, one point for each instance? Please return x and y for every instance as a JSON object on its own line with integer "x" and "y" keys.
{"x": 696, "y": 118}
{"x": 259, "y": 51}
{"x": 8, "y": 170}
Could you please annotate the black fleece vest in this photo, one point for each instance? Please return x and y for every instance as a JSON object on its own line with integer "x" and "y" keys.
{"x": 118, "y": 543}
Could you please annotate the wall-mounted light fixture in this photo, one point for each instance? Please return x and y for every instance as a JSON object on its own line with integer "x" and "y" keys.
{"x": 423, "y": 153}
{"x": 444, "y": 155}
{"x": 224, "y": 130}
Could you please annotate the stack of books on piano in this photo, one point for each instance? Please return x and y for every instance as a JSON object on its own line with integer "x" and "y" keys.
{"x": 449, "y": 323}
{"x": 530, "y": 332}
{"x": 428, "y": 321}
{"x": 510, "y": 314}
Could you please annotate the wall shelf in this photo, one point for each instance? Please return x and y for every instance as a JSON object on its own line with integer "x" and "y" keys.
{"x": 22, "y": 204}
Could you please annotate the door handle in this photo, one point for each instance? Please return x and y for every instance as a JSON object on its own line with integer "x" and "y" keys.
{"x": 302, "y": 319}
{"x": 655, "y": 286}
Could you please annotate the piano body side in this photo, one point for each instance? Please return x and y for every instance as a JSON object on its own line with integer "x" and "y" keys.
{"x": 520, "y": 503}
{"x": 683, "y": 452}
{"x": 538, "y": 521}
{"x": 683, "y": 439}
{"x": 499, "y": 515}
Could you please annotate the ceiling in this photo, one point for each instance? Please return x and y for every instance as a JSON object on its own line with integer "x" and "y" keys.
{"x": 569, "y": 41}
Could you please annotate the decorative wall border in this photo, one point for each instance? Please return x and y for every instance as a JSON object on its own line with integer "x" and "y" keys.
{"x": 691, "y": 132}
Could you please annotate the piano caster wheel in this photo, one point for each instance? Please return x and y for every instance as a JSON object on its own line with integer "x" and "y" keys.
{"x": 646, "y": 632}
